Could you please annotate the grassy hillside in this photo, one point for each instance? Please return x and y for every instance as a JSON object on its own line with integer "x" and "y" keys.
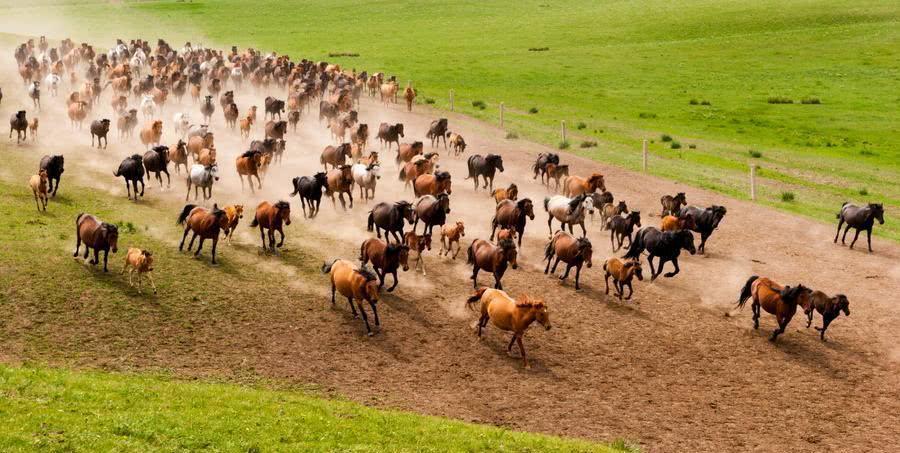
{"x": 617, "y": 72}
{"x": 57, "y": 410}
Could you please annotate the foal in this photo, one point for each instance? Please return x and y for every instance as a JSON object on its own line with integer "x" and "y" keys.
{"x": 38, "y": 185}
{"x": 449, "y": 235}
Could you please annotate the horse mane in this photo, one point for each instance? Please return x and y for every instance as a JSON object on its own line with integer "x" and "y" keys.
{"x": 574, "y": 202}
{"x": 136, "y": 157}
{"x": 524, "y": 302}
{"x": 428, "y": 156}
{"x": 442, "y": 175}
{"x": 281, "y": 204}
{"x": 583, "y": 243}
{"x": 250, "y": 152}
{"x": 507, "y": 244}
{"x": 521, "y": 203}
{"x": 161, "y": 148}
{"x": 791, "y": 293}
{"x": 367, "y": 273}
{"x": 113, "y": 228}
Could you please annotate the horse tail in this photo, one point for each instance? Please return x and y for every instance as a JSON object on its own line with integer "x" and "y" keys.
{"x": 371, "y": 223}
{"x": 363, "y": 256}
{"x": 637, "y": 247}
{"x": 745, "y": 292}
{"x": 185, "y": 213}
{"x": 475, "y": 297}
{"x": 838, "y": 216}
{"x": 402, "y": 176}
{"x": 326, "y": 266}
{"x": 296, "y": 187}
{"x": 470, "y": 254}
{"x": 471, "y": 169}
{"x": 550, "y": 250}
{"x": 78, "y": 219}
{"x": 547, "y": 204}
{"x": 255, "y": 222}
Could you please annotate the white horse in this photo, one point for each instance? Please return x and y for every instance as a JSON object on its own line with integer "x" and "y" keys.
{"x": 237, "y": 75}
{"x": 202, "y": 177}
{"x": 366, "y": 176}
{"x": 197, "y": 130}
{"x": 148, "y": 107}
{"x": 181, "y": 121}
{"x": 52, "y": 83}
{"x": 34, "y": 92}
{"x": 569, "y": 211}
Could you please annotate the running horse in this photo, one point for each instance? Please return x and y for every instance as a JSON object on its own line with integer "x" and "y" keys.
{"x": 485, "y": 167}
{"x": 390, "y": 218}
{"x": 576, "y": 185}
{"x": 491, "y": 258}
{"x": 540, "y": 165}
{"x": 433, "y": 184}
{"x": 665, "y": 245}
{"x": 859, "y": 219}
{"x": 510, "y": 315}
{"x": 569, "y": 211}
{"x": 205, "y": 223}
{"x": 431, "y": 210}
{"x": 829, "y": 307}
{"x": 774, "y": 298}
{"x": 271, "y": 217}
{"x": 385, "y": 258}
{"x": 97, "y": 235}
{"x": 354, "y": 283}
{"x": 575, "y": 252}
{"x": 512, "y": 215}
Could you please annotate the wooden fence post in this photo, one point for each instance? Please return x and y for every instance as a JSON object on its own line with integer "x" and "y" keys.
{"x": 501, "y": 115}
{"x": 563, "y": 129}
{"x": 753, "y": 182}
{"x": 451, "y": 100}
{"x": 644, "y": 155}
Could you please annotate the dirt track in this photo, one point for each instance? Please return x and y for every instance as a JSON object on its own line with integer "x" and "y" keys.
{"x": 668, "y": 370}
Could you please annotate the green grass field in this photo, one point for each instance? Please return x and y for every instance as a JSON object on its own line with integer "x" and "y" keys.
{"x": 617, "y": 72}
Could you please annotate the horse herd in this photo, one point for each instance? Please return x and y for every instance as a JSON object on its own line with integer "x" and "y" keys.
{"x": 349, "y": 163}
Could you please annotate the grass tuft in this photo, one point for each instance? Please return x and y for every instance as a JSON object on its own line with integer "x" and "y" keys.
{"x": 588, "y": 144}
{"x": 676, "y": 145}
{"x": 863, "y": 191}
{"x": 780, "y": 100}
{"x": 788, "y": 197}
{"x": 533, "y": 110}
{"x": 692, "y": 146}
{"x": 580, "y": 125}
{"x": 646, "y": 115}
{"x": 563, "y": 144}
{"x": 810, "y": 101}
{"x": 665, "y": 138}
{"x": 512, "y": 135}
{"x": 754, "y": 153}
{"x": 429, "y": 100}
{"x": 480, "y": 105}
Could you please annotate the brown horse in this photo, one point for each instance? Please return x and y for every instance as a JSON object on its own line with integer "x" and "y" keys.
{"x": 672, "y": 223}
{"x": 248, "y": 165}
{"x": 778, "y": 300}
{"x": 556, "y": 172}
{"x": 140, "y": 261}
{"x": 449, "y": 235}
{"x": 271, "y": 217}
{"x": 151, "y": 134}
{"x": 97, "y": 235}
{"x": 38, "y": 185}
{"x": 570, "y": 250}
{"x": 386, "y": 258}
{"x": 510, "y": 315}
{"x": 205, "y": 223}
{"x": 512, "y": 214}
{"x": 509, "y": 193}
{"x": 609, "y": 210}
{"x": 198, "y": 143}
{"x": 354, "y": 283}
{"x": 335, "y": 156}
{"x": 431, "y": 210}
{"x": 829, "y": 307}
{"x": 433, "y": 184}
{"x": 492, "y": 258}
{"x": 406, "y": 151}
{"x": 234, "y": 214}
{"x": 622, "y": 272}
{"x": 340, "y": 181}
{"x": 672, "y": 205}
{"x": 178, "y": 156}
{"x": 576, "y": 185}
{"x": 417, "y": 245}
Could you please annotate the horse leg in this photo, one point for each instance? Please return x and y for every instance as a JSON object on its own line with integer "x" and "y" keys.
{"x": 395, "y": 282}
{"x": 199, "y": 246}
{"x": 652, "y": 269}
{"x": 577, "y": 277}
{"x": 549, "y": 260}
{"x": 271, "y": 235}
{"x": 583, "y": 229}
{"x": 475, "y": 277}
{"x": 281, "y": 232}
{"x": 168, "y": 180}
{"x": 566, "y": 274}
{"x": 826, "y": 320}
{"x": 677, "y": 270}
{"x": 375, "y": 312}
{"x": 662, "y": 263}
{"x": 482, "y": 322}
{"x": 570, "y": 227}
{"x": 755, "y": 307}
{"x": 703, "y": 237}
{"x": 855, "y": 237}
{"x": 844, "y": 237}
{"x": 352, "y": 307}
{"x": 511, "y": 342}
{"x": 606, "y": 280}
{"x": 183, "y": 237}
{"x": 350, "y": 195}
{"x": 522, "y": 350}
{"x": 497, "y": 284}
{"x": 191, "y": 244}
{"x": 549, "y": 226}
{"x": 105, "y": 260}
{"x": 96, "y": 256}
{"x": 262, "y": 237}
{"x": 840, "y": 224}
{"x": 443, "y": 246}
{"x": 493, "y": 227}
{"x": 87, "y": 251}
{"x": 215, "y": 242}
{"x": 629, "y": 240}
{"x": 365, "y": 320}
{"x": 868, "y": 234}
{"x": 809, "y": 317}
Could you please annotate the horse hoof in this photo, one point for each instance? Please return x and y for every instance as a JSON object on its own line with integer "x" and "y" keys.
{"x": 371, "y": 334}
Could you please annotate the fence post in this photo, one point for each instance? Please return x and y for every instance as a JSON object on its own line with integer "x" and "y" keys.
{"x": 644, "y": 155}
{"x": 451, "y": 100}
{"x": 501, "y": 115}
{"x": 563, "y": 129}
{"x": 753, "y": 182}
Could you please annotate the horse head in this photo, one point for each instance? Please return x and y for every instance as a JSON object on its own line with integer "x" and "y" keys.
{"x": 508, "y": 247}
{"x": 877, "y": 210}
{"x": 283, "y": 209}
{"x": 585, "y": 251}
{"x": 495, "y": 161}
{"x": 634, "y": 266}
{"x": 370, "y": 285}
{"x": 686, "y": 240}
{"x": 110, "y": 233}
{"x": 718, "y": 213}
{"x": 538, "y": 307}
{"x": 635, "y": 218}
{"x": 321, "y": 179}
{"x": 526, "y": 208}
{"x": 842, "y": 303}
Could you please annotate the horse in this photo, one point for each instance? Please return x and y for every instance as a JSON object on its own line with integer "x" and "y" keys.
{"x": 310, "y": 189}
{"x": 622, "y": 272}
{"x": 705, "y": 221}
{"x": 433, "y": 184}
{"x": 97, "y": 235}
{"x": 33, "y": 125}
{"x": 38, "y": 184}
{"x": 271, "y": 217}
{"x": 18, "y": 123}
{"x": 573, "y": 251}
{"x": 486, "y": 167}
{"x": 407, "y": 151}
{"x": 140, "y": 261}
{"x": 207, "y": 109}
{"x": 178, "y": 156}
{"x": 354, "y": 283}
{"x": 233, "y": 215}
{"x": 157, "y": 161}
{"x": 388, "y": 134}
{"x": 859, "y": 219}
{"x": 556, "y": 172}
{"x": 774, "y": 298}
{"x": 450, "y": 234}
{"x": 509, "y": 193}
{"x": 672, "y": 205}
{"x": 340, "y": 181}
{"x": 510, "y": 315}
{"x": 569, "y": 211}
{"x": 248, "y": 164}
{"x": 621, "y": 227}
{"x": 410, "y": 95}
{"x": 132, "y": 170}
{"x": 457, "y": 143}
{"x": 431, "y": 210}
{"x": 437, "y": 131}
{"x": 386, "y": 258}
{"x": 366, "y": 177}
{"x": 672, "y": 223}
{"x": 540, "y": 164}
{"x": 54, "y": 166}
{"x": 202, "y": 177}
{"x": 202, "y": 222}
{"x": 231, "y": 113}
{"x": 667, "y": 246}
{"x": 417, "y": 246}
{"x": 512, "y": 214}
{"x": 576, "y": 185}
{"x": 335, "y": 155}
{"x": 151, "y": 134}
{"x": 492, "y": 258}
{"x": 829, "y": 307}
{"x": 609, "y": 210}
{"x": 412, "y": 170}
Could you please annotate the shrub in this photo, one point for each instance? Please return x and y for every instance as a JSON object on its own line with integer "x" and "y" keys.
{"x": 429, "y": 100}
{"x": 810, "y": 101}
{"x": 754, "y": 153}
{"x": 538, "y": 49}
{"x": 580, "y": 125}
{"x": 692, "y": 146}
{"x": 780, "y": 100}
{"x": 694, "y": 102}
{"x": 705, "y": 102}
{"x": 511, "y": 135}
{"x": 533, "y": 110}
{"x": 676, "y": 145}
{"x": 588, "y": 144}
{"x": 126, "y": 227}
{"x": 863, "y": 191}
{"x": 867, "y": 152}
{"x": 665, "y": 137}
{"x": 646, "y": 115}
{"x": 480, "y": 105}
{"x": 787, "y": 197}
{"x": 563, "y": 144}
{"x": 343, "y": 54}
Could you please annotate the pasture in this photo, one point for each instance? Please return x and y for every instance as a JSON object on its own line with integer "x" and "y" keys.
{"x": 617, "y": 72}
{"x": 676, "y": 367}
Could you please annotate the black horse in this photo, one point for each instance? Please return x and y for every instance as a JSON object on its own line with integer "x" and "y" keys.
{"x": 437, "y": 131}
{"x": 157, "y": 161}
{"x": 621, "y": 228}
{"x": 100, "y": 129}
{"x": 53, "y": 165}
{"x": 390, "y": 218}
{"x": 540, "y": 165}
{"x": 860, "y": 219}
{"x": 310, "y": 189}
{"x": 274, "y": 107}
{"x": 132, "y": 170}
{"x": 666, "y": 245}
{"x": 432, "y": 211}
{"x": 512, "y": 214}
{"x": 486, "y": 167}
{"x": 705, "y": 221}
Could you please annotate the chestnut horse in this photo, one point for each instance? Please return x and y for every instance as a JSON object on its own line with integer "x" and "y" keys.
{"x": 622, "y": 272}
{"x": 97, "y": 235}
{"x": 354, "y": 283}
{"x": 510, "y": 315}
{"x": 248, "y": 165}
{"x": 335, "y": 156}
{"x": 432, "y": 184}
{"x": 570, "y": 250}
{"x": 509, "y": 193}
{"x": 449, "y": 235}
{"x": 340, "y": 181}
{"x": 774, "y": 298}
{"x": 386, "y": 258}
{"x": 492, "y": 258}
{"x": 271, "y": 217}
{"x": 512, "y": 214}
{"x": 204, "y": 223}
{"x": 417, "y": 244}
{"x": 576, "y": 185}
